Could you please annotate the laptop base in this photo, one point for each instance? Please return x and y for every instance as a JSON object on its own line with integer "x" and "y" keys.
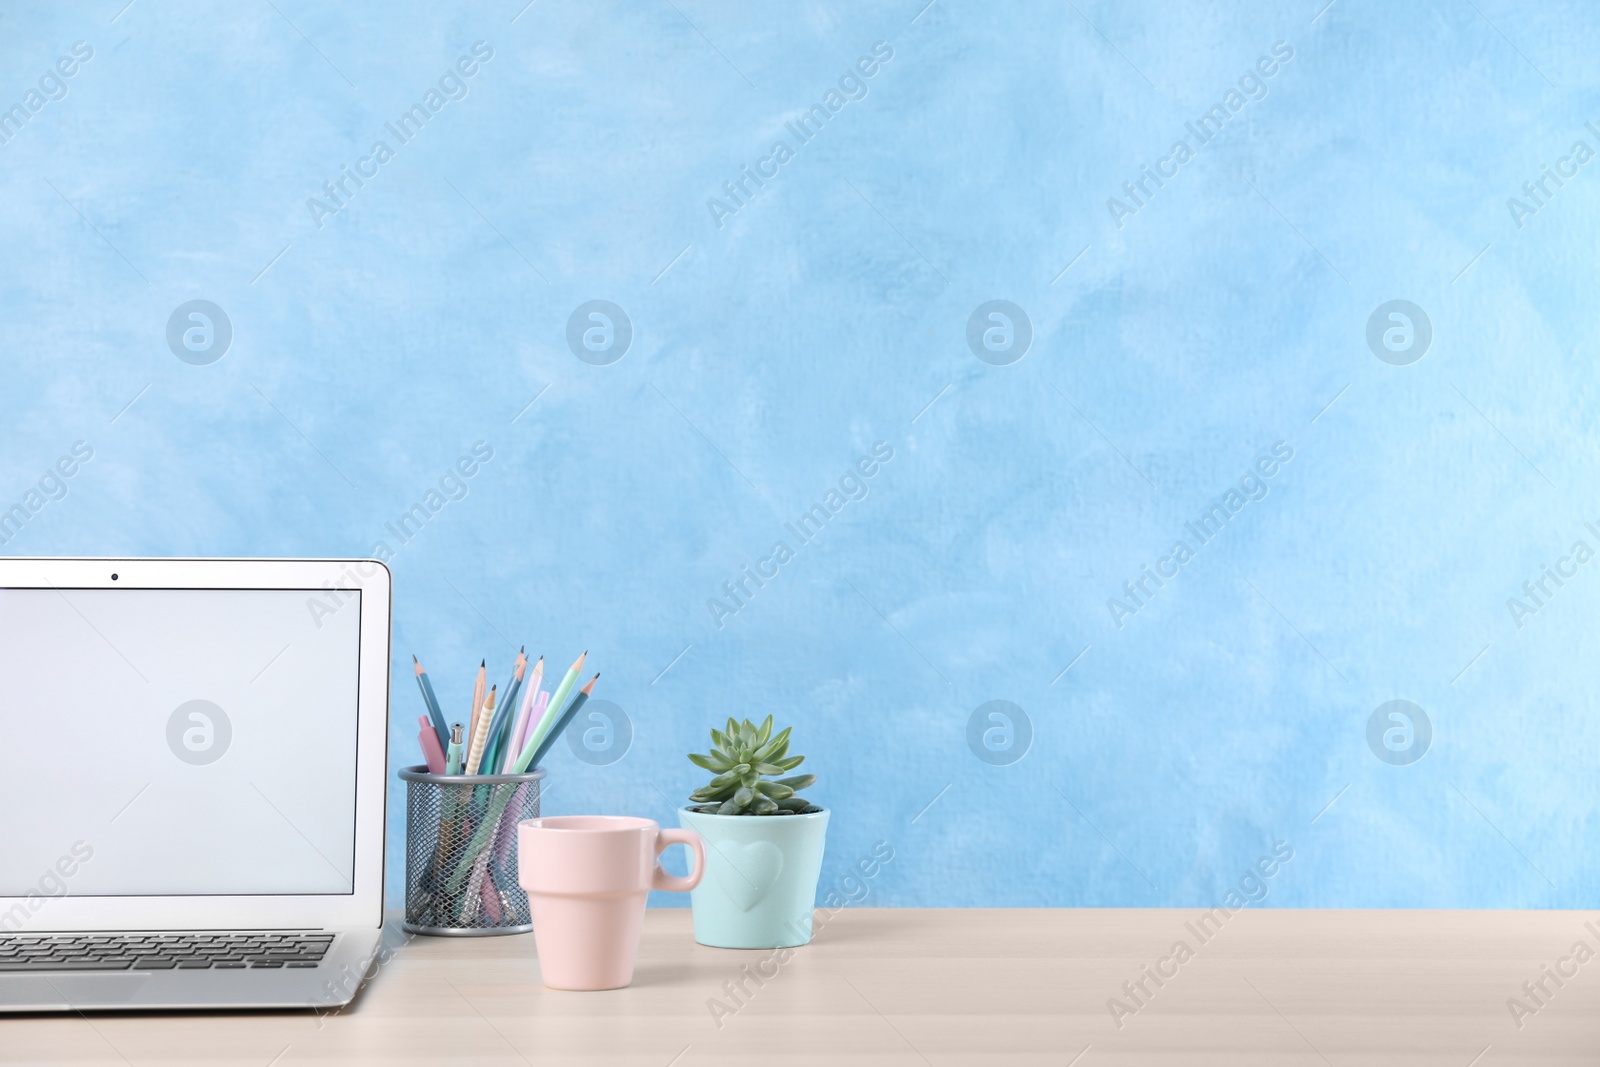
{"x": 331, "y": 984}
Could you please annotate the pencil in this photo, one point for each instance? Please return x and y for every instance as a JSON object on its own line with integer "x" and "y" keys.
{"x": 535, "y": 712}
{"x": 497, "y": 806}
{"x": 537, "y": 678}
{"x": 477, "y": 698}
{"x": 509, "y": 747}
{"x": 475, "y": 754}
{"x": 506, "y": 752}
{"x": 430, "y": 698}
{"x": 565, "y": 720}
{"x": 529, "y": 714}
{"x": 517, "y": 664}
{"x": 554, "y": 707}
{"x": 502, "y": 717}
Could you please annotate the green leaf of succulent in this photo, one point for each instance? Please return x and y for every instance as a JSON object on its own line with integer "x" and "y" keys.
{"x": 745, "y": 760}
{"x": 776, "y": 747}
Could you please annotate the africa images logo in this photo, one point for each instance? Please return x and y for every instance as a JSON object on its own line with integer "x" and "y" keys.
{"x": 999, "y": 332}
{"x": 199, "y": 332}
{"x": 599, "y": 332}
{"x": 199, "y": 732}
{"x": 1399, "y": 732}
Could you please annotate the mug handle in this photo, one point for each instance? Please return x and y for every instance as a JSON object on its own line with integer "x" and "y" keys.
{"x": 664, "y": 880}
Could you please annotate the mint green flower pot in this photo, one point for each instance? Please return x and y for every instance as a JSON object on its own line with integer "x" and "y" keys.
{"x": 760, "y": 885}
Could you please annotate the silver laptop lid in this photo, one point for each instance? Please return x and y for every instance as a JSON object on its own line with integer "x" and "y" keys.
{"x": 192, "y": 743}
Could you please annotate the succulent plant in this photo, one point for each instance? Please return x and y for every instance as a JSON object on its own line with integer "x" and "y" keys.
{"x": 743, "y": 757}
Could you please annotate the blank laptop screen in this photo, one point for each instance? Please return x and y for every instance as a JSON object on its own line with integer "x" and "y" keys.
{"x": 162, "y": 742}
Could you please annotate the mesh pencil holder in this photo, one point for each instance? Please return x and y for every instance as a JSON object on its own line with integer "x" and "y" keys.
{"x": 461, "y": 851}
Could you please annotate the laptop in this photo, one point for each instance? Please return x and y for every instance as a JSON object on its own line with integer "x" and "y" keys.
{"x": 192, "y": 792}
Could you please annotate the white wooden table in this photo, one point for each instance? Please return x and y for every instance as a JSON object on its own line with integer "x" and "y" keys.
{"x": 918, "y": 987}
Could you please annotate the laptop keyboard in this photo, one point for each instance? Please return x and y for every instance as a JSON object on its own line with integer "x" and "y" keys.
{"x": 160, "y": 952}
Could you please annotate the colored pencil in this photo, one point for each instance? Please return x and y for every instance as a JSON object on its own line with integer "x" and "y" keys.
{"x": 518, "y": 665}
{"x": 540, "y": 706}
{"x": 491, "y": 818}
{"x": 503, "y": 755}
{"x": 502, "y": 717}
{"x": 475, "y": 754}
{"x": 536, "y": 679}
{"x": 430, "y": 698}
{"x": 510, "y": 746}
{"x": 535, "y": 710}
{"x": 550, "y": 715}
{"x": 565, "y": 720}
{"x": 530, "y": 694}
{"x": 477, "y": 699}
{"x": 506, "y": 751}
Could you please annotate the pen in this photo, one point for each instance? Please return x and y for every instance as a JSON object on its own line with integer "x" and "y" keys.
{"x": 453, "y": 760}
{"x": 431, "y": 752}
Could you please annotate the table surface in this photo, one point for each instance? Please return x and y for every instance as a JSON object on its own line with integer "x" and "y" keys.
{"x": 919, "y": 987}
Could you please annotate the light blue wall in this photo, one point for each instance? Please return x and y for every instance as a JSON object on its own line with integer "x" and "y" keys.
{"x": 830, "y": 313}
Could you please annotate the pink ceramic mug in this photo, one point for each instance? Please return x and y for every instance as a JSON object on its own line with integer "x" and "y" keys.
{"x": 587, "y": 878}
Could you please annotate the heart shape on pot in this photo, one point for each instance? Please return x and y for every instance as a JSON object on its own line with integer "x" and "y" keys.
{"x": 754, "y": 868}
